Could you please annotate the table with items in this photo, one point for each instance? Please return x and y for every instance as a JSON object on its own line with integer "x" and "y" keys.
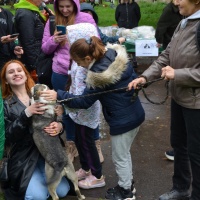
{"x": 139, "y": 37}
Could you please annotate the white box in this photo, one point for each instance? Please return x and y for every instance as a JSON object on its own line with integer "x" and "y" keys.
{"x": 146, "y": 47}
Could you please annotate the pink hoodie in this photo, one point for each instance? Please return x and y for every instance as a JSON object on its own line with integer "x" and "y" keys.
{"x": 61, "y": 57}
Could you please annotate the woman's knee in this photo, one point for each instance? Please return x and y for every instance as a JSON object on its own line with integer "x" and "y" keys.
{"x": 37, "y": 196}
{"x": 63, "y": 188}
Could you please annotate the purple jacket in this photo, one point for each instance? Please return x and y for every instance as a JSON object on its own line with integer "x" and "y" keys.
{"x": 61, "y": 57}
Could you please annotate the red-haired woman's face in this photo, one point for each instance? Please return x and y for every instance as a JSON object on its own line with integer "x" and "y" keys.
{"x": 15, "y": 75}
{"x": 66, "y": 7}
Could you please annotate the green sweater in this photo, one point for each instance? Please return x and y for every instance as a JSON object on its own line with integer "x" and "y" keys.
{"x": 2, "y": 131}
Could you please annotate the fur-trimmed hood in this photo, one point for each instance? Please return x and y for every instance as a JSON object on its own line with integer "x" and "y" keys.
{"x": 109, "y": 69}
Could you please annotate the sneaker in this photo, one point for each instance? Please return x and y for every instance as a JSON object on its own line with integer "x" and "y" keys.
{"x": 133, "y": 188}
{"x": 92, "y": 182}
{"x": 119, "y": 193}
{"x": 175, "y": 195}
{"x": 170, "y": 154}
{"x": 82, "y": 174}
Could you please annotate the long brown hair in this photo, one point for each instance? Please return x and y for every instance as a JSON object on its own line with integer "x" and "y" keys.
{"x": 6, "y": 89}
{"x": 62, "y": 20}
{"x": 92, "y": 47}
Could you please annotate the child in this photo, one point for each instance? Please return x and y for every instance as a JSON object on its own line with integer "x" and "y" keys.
{"x": 86, "y": 121}
{"x": 109, "y": 69}
{"x": 87, "y": 8}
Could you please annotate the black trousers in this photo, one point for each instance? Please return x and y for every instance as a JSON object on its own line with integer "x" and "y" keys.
{"x": 185, "y": 140}
{"x": 88, "y": 154}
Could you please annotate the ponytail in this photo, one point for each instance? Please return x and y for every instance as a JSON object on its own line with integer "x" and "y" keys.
{"x": 92, "y": 47}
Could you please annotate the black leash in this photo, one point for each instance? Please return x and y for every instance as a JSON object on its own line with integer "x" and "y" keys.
{"x": 142, "y": 86}
{"x": 135, "y": 95}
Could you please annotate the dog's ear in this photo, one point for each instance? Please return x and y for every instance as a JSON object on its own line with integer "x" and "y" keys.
{"x": 46, "y": 87}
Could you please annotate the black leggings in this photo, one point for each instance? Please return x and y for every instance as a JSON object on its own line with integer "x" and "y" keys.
{"x": 88, "y": 154}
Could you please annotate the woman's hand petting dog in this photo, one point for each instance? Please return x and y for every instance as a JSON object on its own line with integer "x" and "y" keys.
{"x": 59, "y": 110}
{"x": 49, "y": 95}
{"x": 54, "y": 128}
{"x": 35, "y": 108}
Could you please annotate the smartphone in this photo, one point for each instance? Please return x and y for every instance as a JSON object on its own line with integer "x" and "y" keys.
{"x": 61, "y": 28}
{"x": 14, "y": 35}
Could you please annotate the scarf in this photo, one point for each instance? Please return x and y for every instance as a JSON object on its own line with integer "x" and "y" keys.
{"x": 196, "y": 15}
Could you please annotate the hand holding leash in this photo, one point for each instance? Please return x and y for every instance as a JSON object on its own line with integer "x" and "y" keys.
{"x": 136, "y": 83}
{"x": 168, "y": 73}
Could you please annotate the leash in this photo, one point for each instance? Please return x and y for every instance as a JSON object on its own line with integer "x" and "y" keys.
{"x": 135, "y": 95}
{"x": 142, "y": 86}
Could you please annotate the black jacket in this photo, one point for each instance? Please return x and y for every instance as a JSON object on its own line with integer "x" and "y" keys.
{"x": 30, "y": 27}
{"x": 167, "y": 24}
{"x": 127, "y": 15}
{"x": 24, "y": 154}
{"x": 7, "y": 50}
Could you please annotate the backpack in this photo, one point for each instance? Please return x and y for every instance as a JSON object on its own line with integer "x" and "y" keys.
{"x": 44, "y": 62}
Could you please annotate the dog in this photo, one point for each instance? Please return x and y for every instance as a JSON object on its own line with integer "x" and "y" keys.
{"x": 57, "y": 163}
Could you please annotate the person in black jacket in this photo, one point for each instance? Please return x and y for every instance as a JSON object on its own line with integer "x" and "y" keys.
{"x": 8, "y": 49}
{"x": 26, "y": 165}
{"x": 127, "y": 14}
{"x": 29, "y": 22}
{"x": 167, "y": 24}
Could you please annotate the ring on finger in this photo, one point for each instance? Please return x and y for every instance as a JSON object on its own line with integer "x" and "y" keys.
{"x": 55, "y": 131}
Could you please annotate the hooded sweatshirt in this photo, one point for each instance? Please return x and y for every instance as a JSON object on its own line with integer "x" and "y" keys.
{"x": 61, "y": 59}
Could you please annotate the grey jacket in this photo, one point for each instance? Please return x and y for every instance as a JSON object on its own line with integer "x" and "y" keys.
{"x": 181, "y": 54}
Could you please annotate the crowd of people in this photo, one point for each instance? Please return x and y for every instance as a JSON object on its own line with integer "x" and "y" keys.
{"x": 83, "y": 68}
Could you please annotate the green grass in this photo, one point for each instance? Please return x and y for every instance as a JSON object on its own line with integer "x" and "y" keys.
{"x": 150, "y": 13}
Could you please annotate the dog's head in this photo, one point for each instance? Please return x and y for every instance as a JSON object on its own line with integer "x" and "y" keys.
{"x": 36, "y": 91}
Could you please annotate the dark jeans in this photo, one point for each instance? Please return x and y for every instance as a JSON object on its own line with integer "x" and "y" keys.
{"x": 185, "y": 140}
{"x": 88, "y": 154}
{"x": 59, "y": 81}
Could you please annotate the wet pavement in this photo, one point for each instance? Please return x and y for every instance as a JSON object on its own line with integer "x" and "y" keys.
{"x": 152, "y": 171}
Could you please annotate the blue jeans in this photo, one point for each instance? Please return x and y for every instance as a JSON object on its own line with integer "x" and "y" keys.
{"x": 37, "y": 187}
{"x": 59, "y": 81}
{"x": 185, "y": 140}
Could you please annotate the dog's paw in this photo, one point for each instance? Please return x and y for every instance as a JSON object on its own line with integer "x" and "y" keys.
{"x": 81, "y": 197}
